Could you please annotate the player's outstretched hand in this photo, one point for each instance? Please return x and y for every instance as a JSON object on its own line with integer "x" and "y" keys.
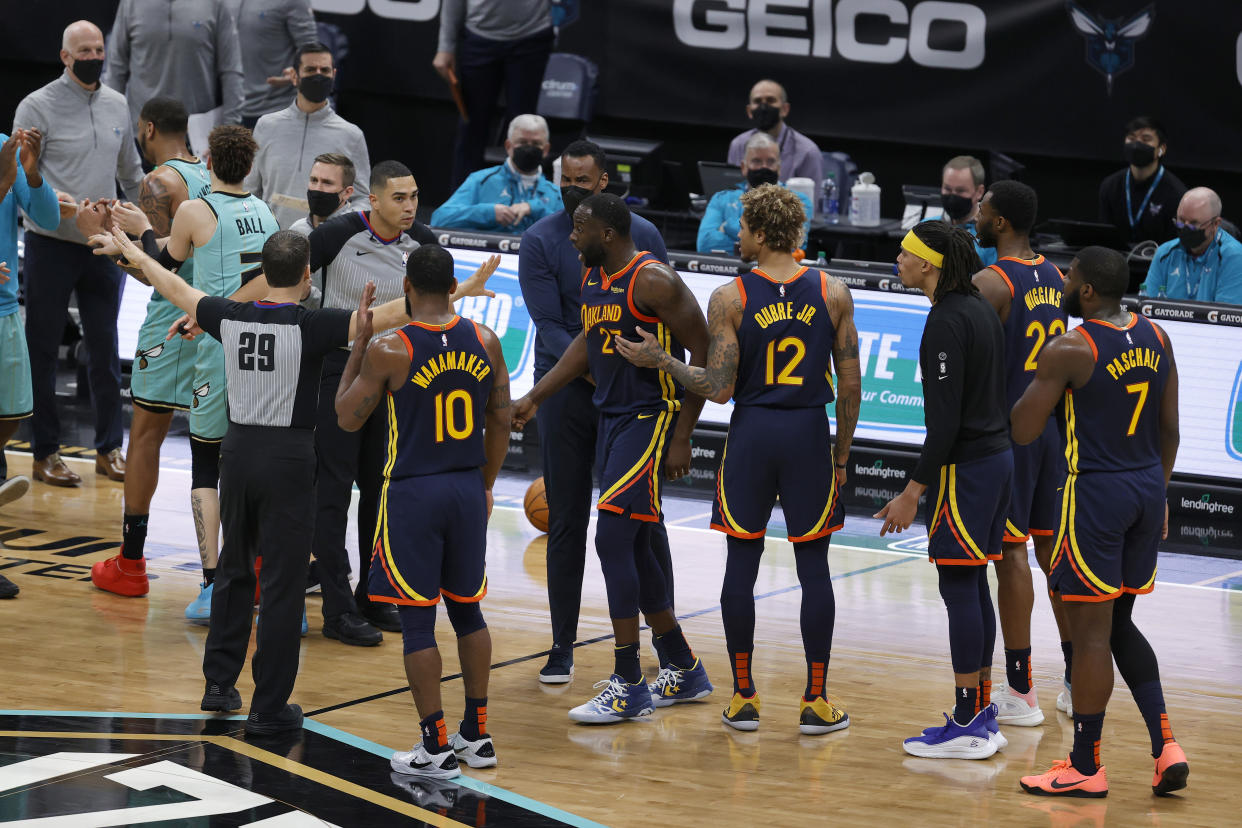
{"x": 365, "y": 327}
{"x": 523, "y": 412}
{"x": 898, "y": 513}
{"x": 4, "y": 272}
{"x": 476, "y": 285}
{"x": 130, "y": 218}
{"x": 32, "y": 146}
{"x": 130, "y": 252}
{"x": 104, "y": 245}
{"x": 646, "y": 353}
{"x": 186, "y": 327}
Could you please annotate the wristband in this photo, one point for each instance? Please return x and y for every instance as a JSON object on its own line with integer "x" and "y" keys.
{"x": 149, "y": 245}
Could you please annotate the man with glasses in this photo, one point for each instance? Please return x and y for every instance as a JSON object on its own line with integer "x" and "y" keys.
{"x": 721, "y": 223}
{"x": 509, "y": 197}
{"x": 1204, "y": 262}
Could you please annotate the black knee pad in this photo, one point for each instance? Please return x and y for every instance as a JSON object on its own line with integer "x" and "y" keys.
{"x": 466, "y": 617}
{"x": 204, "y": 464}
{"x": 418, "y": 627}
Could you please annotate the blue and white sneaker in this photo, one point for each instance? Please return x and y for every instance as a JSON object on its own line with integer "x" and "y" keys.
{"x": 954, "y": 741}
{"x": 675, "y": 685}
{"x": 618, "y": 701}
{"x": 991, "y": 722}
{"x": 199, "y": 610}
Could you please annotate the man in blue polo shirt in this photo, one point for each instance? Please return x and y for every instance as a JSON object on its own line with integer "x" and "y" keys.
{"x": 1204, "y": 263}
{"x": 721, "y": 222}
{"x": 550, "y": 274}
{"x": 509, "y": 197}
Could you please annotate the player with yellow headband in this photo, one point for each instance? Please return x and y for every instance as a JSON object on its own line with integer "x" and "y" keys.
{"x": 966, "y": 470}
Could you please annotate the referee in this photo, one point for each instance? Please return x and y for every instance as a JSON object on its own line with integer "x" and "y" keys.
{"x": 274, "y": 352}
{"x": 966, "y": 469}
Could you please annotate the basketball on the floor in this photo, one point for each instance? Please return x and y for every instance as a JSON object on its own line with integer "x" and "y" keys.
{"x": 536, "y": 503}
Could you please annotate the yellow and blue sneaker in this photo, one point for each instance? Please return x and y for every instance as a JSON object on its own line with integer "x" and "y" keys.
{"x": 742, "y": 713}
{"x": 819, "y": 716}
{"x": 674, "y": 684}
{"x": 617, "y": 702}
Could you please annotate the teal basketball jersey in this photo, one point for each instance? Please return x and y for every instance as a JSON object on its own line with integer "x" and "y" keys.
{"x": 234, "y": 255}
{"x": 197, "y": 184}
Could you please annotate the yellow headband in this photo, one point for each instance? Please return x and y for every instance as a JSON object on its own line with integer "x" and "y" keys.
{"x": 913, "y": 244}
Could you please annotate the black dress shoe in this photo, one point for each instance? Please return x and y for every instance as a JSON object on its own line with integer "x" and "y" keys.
{"x": 352, "y": 629}
{"x": 380, "y": 614}
{"x": 268, "y": 724}
{"x": 8, "y": 589}
{"x": 219, "y": 698}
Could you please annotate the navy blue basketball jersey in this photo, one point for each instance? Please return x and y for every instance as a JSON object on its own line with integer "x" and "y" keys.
{"x": 435, "y": 420}
{"x": 1035, "y": 316}
{"x": 784, "y": 341}
{"x": 608, "y": 312}
{"x": 1113, "y": 422}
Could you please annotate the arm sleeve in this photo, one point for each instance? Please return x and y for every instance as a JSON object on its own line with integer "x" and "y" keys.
{"x": 300, "y": 23}
{"x": 362, "y": 166}
{"x": 452, "y": 14}
{"x": 541, "y": 290}
{"x": 711, "y": 237}
{"x": 943, "y": 386}
{"x": 211, "y": 311}
{"x": 464, "y": 209}
{"x": 229, "y": 66}
{"x": 326, "y": 329}
{"x": 38, "y": 203}
{"x": 116, "y": 72}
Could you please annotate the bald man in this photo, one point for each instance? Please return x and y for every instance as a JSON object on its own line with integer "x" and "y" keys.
{"x": 88, "y": 145}
{"x": 768, "y": 107}
{"x": 1204, "y": 262}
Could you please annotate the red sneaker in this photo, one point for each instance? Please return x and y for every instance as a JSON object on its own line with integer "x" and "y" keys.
{"x": 1171, "y": 770}
{"x": 1064, "y": 780}
{"x": 122, "y": 576}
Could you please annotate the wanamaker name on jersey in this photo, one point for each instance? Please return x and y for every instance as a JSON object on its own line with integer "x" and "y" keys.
{"x": 451, "y": 361}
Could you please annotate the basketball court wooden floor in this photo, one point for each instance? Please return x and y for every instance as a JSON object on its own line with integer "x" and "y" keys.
{"x": 100, "y": 724}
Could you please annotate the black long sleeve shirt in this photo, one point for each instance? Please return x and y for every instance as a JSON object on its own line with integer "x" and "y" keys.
{"x": 962, "y": 357}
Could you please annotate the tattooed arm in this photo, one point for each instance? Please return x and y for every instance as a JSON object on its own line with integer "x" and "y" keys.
{"x": 715, "y": 380}
{"x": 159, "y": 199}
{"x": 848, "y": 371}
{"x": 497, "y": 413}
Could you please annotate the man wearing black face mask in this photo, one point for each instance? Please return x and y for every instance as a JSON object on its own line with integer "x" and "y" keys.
{"x": 961, "y": 189}
{"x": 1141, "y": 199}
{"x": 720, "y": 226}
{"x": 328, "y": 194}
{"x": 290, "y": 140}
{"x": 509, "y": 197}
{"x": 768, "y": 107}
{"x": 550, "y": 274}
{"x": 1204, "y": 262}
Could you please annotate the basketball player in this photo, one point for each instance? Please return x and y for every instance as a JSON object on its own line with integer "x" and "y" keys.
{"x": 621, "y": 290}
{"x": 447, "y": 403}
{"x": 224, "y": 231}
{"x": 1025, "y": 290}
{"x": 1114, "y": 380}
{"x": 775, "y": 334}
{"x": 967, "y": 462}
{"x": 275, "y": 350}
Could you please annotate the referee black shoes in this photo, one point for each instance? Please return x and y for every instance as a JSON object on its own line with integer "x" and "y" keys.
{"x": 352, "y": 629}
{"x": 219, "y": 698}
{"x": 269, "y": 724}
{"x": 379, "y": 614}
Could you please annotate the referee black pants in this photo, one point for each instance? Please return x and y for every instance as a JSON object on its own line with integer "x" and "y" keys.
{"x": 267, "y": 499}
{"x": 568, "y": 432}
{"x": 345, "y": 457}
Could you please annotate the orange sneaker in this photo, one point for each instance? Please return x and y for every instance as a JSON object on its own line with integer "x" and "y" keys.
{"x": 1171, "y": 770}
{"x": 1064, "y": 780}
{"x": 122, "y": 576}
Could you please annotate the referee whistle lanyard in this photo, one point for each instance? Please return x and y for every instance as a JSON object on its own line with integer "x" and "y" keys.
{"x": 1135, "y": 216}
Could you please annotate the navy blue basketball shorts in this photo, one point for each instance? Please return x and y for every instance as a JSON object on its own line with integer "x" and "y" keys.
{"x": 778, "y": 452}
{"x": 431, "y": 540}
{"x": 966, "y": 508}
{"x": 632, "y": 448}
{"x": 1038, "y": 477}
{"x": 1110, "y": 529}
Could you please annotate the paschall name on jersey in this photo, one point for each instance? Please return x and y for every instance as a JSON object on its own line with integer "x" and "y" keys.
{"x": 1131, "y": 359}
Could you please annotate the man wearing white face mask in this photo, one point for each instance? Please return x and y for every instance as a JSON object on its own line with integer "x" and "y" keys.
{"x": 291, "y": 139}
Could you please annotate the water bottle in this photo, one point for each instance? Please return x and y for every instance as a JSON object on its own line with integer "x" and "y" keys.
{"x": 865, "y": 202}
{"x": 829, "y": 204}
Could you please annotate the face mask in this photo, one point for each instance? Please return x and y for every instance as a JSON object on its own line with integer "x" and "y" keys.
{"x": 88, "y": 71}
{"x": 766, "y": 116}
{"x": 762, "y": 176}
{"x": 1071, "y": 303}
{"x": 1138, "y": 154}
{"x": 322, "y": 204}
{"x": 527, "y": 158}
{"x": 571, "y": 197}
{"x": 1191, "y": 239}
{"x": 315, "y": 88}
{"x": 956, "y": 207}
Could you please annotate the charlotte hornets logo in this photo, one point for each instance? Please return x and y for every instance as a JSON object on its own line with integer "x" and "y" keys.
{"x": 148, "y": 354}
{"x": 201, "y": 392}
{"x": 1110, "y": 43}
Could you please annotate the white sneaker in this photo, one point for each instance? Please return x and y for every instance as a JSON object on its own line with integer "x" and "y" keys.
{"x": 13, "y": 488}
{"x": 1065, "y": 701}
{"x": 480, "y": 753}
{"x": 617, "y": 702}
{"x": 1019, "y": 709}
{"x": 418, "y": 762}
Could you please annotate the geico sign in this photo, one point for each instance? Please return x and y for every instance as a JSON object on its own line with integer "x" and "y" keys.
{"x": 752, "y": 24}
{"x": 417, "y": 10}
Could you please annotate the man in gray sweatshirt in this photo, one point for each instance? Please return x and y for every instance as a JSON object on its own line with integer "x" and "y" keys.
{"x": 290, "y": 140}
{"x": 270, "y": 32}
{"x": 88, "y": 144}
{"x": 487, "y": 45}
{"x": 183, "y": 49}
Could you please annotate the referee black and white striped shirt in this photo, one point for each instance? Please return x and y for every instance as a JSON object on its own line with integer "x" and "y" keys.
{"x": 273, "y": 355}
